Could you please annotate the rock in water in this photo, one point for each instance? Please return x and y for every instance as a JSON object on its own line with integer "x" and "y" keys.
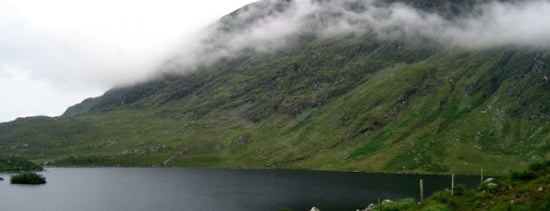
{"x": 314, "y": 209}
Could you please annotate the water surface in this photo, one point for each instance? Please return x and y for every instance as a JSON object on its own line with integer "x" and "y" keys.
{"x": 161, "y": 189}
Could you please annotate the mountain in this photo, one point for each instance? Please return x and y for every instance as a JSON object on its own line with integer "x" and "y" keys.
{"x": 313, "y": 98}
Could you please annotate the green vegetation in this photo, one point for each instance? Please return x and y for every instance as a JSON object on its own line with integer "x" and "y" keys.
{"x": 399, "y": 204}
{"x": 346, "y": 102}
{"x": 14, "y": 164}
{"x": 512, "y": 193}
{"x": 28, "y": 178}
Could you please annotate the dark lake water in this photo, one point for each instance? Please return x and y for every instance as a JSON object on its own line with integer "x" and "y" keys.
{"x": 137, "y": 189}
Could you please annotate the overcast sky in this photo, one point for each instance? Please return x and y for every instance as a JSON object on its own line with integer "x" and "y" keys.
{"x": 56, "y": 53}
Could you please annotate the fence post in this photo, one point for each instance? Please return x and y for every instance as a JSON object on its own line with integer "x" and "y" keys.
{"x": 481, "y": 175}
{"x": 452, "y": 184}
{"x": 421, "y": 190}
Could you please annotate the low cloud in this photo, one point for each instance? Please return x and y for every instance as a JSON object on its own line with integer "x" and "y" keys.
{"x": 83, "y": 47}
{"x": 56, "y": 53}
{"x": 98, "y": 43}
{"x": 523, "y": 24}
{"x": 269, "y": 25}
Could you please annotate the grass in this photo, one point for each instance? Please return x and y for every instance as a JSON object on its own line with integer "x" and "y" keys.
{"x": 14, "y": 164}
{"x": 506, "y": 193}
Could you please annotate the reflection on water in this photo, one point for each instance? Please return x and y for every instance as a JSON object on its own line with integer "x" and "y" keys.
{"x": 200, "y": 189}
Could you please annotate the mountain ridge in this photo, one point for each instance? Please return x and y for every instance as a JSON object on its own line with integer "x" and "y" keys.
{"x": 347, "y": 101}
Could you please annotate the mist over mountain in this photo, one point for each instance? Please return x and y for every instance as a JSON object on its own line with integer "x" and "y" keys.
{"x": 269, "y": 26}
{"x": 414, "y": 86}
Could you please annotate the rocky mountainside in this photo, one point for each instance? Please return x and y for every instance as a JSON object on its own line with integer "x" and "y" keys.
{"x": 317, "y": 95}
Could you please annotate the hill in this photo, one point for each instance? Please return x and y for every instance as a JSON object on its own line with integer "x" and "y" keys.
{"x": 522, "y": 190}
{"x": 344, "y": 100}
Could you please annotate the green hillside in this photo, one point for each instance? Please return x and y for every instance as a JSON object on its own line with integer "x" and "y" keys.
{"x": 340, "y": 102}
{"x": 522, "y": 190}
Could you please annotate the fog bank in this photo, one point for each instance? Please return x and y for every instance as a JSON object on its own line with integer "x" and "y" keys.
{"x": 269, "y": 25}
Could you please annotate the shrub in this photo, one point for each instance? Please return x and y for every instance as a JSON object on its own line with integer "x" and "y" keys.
{"x": 28, "y": 178}
{"x": 399, "y": 204}
{"x": 459, "y": 190}
{"x": 523, "y": 175}
{"x": 536, "y": 166}
{"x": 435, "y": 207}
{"x": 539, "y": 167}
{"x": 441, "y": 196}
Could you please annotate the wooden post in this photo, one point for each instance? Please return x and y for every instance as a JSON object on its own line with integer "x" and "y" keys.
{"x": 379, "y": 204}
{"x": 452, "y": 184}
{"x": 421, "y": 190}
{"x": 481, "y": 175}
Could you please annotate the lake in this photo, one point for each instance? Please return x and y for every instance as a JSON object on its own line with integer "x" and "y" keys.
{"x": 205, "y": 189}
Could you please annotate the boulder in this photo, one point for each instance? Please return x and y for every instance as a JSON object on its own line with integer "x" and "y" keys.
{"x": 369, "y": 208}
{"x": 488, "y": 180}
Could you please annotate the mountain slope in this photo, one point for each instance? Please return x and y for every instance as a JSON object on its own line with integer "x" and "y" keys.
{"x": 344, "y": 101}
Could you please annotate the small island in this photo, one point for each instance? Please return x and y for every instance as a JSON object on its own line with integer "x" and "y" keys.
{"x": 28, "y": 178}
{"x": 25, "y": 168}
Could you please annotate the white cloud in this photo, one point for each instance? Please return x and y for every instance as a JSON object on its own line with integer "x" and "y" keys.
{"x": 525, "y": 24}
{"x": 77, "y": 47}
{"x": 23, "y": 95}
{"x": 74, "y": 48}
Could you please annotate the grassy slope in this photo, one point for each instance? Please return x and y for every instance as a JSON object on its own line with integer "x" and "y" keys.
{"x": 343, "y": 103}
{"x": 17, "y": 165}
{"x": 524, "y": 190}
